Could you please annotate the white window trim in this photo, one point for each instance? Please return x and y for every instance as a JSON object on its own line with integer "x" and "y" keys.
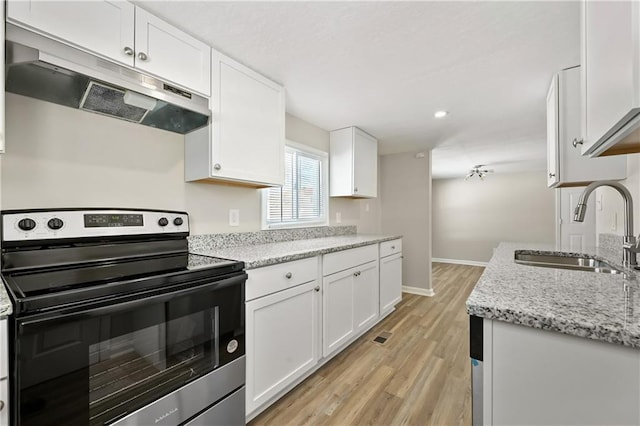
{"x": 325, "y": 193}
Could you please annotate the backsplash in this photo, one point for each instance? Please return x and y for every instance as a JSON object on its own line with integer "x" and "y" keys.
{"x": 199, "y": 243}
{"x": 612, "y": 243}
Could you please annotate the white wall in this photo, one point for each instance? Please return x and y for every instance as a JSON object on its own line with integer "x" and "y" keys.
{"x": 61, "y": 157}
{"x": 406, "y": 210}
{"x": 471, "y": 217}
{"x": 610, "y": 206}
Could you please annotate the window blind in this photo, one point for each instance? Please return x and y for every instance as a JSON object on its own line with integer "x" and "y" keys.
{"x": 300, "y": 199}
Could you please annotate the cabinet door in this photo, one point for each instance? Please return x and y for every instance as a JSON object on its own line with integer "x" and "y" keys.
{"x": 165, "y": 51}
{"x": 248, "y": 124}
{"x": 282, "y": 333}
{"x": 390, "y": 282}
{"x": 4, "y": 397}
{"x": 366, "y": 295}
{"x": 608, "y": 55}
{"x": 553, "y": 172}
{"x": 365, "y": 165}
{"x": 102, "y": 27}
{"x": 338, "y": 310}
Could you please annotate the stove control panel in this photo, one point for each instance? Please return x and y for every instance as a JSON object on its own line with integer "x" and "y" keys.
{"x": 22, "y": 225}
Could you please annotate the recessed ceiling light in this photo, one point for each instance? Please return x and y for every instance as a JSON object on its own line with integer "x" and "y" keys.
{"x": 440, "y": 114}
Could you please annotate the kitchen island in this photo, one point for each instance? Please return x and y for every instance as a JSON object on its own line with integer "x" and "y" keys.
{"x": 558, "y": 346}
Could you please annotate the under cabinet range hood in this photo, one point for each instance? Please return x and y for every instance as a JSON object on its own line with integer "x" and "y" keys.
{"x": 45, "y": 69}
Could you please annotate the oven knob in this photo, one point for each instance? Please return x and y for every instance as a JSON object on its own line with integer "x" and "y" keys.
{"x": 163, "y": 221}
{"x": 55, "y": 223}
{"x": 178, "y": 221}
{"x": 27, "y": 224}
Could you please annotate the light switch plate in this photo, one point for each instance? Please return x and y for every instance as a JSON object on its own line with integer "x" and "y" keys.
{"x": 234, "y": 217}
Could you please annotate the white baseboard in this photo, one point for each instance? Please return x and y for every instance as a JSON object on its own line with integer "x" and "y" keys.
{"x": 419, "y": 291}
{"x": 459, "y": 262}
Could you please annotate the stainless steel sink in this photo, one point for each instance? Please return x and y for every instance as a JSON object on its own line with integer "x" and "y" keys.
{"x": 581, "y": 262}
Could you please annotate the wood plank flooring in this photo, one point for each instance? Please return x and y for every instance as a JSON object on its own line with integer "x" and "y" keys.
{"x": 419, "y": 376}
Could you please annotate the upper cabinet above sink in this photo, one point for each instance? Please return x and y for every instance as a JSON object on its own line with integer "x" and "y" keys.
{"x": 565, "y": 164}
{"x": 121, "y": 32}
{"x": 610, "y": 77}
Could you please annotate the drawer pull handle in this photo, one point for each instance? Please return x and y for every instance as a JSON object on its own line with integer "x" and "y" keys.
{"x": 356, "y": 274}
{"x": 393, "y": 247}
{"x": 288, "y": 275}
{"x": 317, "y": 288}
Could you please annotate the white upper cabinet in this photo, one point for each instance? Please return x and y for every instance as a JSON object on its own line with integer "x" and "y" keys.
{"x": 102, "y": 27}
{"x": 121, "y": 32}
{"x": 610, "y": 77}
{"x": 566, "y": 166}
{"x": 353, "y": 162}
{"x": 245, "y": 141}
{"x": 167, "y": 52}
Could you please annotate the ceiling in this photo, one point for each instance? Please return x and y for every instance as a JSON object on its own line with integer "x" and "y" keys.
{"x": 386, "y": 67}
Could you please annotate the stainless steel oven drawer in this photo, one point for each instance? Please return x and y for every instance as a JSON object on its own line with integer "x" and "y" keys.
{"x": 228, "y": 412}
{"x": 187, "y": 401}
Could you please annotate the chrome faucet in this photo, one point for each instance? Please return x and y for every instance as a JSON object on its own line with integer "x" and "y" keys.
{"x": 630, "y": 245}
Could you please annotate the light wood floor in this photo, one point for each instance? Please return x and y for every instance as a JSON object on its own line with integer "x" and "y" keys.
{"x": 419, "y": 376}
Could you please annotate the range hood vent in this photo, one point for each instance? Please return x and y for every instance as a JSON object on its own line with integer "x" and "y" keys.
{"x": 45, "y": 69}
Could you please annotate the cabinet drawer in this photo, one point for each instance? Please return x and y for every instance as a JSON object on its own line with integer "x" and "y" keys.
{"x": 390, "y": 247}
{"x": 270, "y": 279}
{"x": 341, "y": 260}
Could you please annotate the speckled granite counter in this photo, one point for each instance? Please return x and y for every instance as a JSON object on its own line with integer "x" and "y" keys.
{"x": 585, "y": 304}
{"x": 6, "y": 308}
{"x": 257, "y": 255}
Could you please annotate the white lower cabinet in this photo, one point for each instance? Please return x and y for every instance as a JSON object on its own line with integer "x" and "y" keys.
{"x": 350, "y": 296}
{"x": 282, "y": 328}
{"x": 4, "y": 371}
{"x": 4, "y": 401}
{"x": 300, "y": 314}
{"x": 390, "y": 275}
{"x": 539, "y": 377}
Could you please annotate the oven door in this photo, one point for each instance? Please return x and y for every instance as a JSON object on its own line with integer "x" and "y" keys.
{"x": 98, "y": 365}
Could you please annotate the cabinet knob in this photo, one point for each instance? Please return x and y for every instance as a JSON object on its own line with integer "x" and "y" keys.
{"x": 355, "y": 189}
{"x": 552, "y": 175}
{"x": 288, "y": 275}
{"x": 142, "y": 56}
{"x": 317, "y": 288}
{"x": 217, "y": 166}
{"x": 393, "y": 247}
{"x": 1, "y": 405}
{"x": 577, "y": 142}
{"x": 356, "y": 274}
{"x": 128, "y": 51}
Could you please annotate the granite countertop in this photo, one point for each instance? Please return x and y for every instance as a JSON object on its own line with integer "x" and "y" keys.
{"x": 258, "y": 255}
{"x": 586, "y": 304}
{"x": 6, "y": 308}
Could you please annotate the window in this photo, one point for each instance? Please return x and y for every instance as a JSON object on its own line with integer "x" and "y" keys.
{"x": 303, "y": 199}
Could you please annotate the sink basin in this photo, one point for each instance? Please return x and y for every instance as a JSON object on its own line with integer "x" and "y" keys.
{"x": 576, "y": 262}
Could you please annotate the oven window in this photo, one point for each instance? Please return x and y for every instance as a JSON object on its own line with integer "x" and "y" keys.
{"x": 149, "y": 361}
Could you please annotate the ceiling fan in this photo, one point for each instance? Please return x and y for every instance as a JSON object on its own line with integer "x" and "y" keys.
{"x": 478, "y": 171}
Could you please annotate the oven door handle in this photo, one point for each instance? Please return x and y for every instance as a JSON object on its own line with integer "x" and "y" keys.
{"x": 139, "y": 300}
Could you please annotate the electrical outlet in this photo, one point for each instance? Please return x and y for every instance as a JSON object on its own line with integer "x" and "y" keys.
{"x": 338, "y": 217}
{"x": 234, "y": 217}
